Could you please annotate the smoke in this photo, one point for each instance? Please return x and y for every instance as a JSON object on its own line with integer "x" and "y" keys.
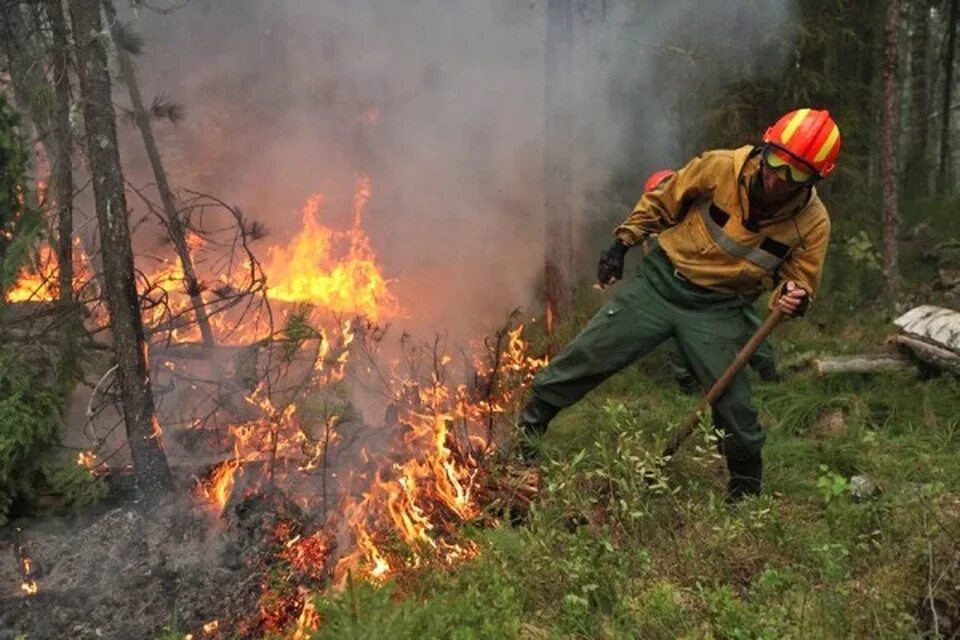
{"x": 441, "y": 103}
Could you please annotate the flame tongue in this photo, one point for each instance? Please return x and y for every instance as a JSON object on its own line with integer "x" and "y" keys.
{"x": 310, "y": 270}
{"x": 28, "y": 583}
{"x": 38, "y": 282}
{"x": 416, "y": 502}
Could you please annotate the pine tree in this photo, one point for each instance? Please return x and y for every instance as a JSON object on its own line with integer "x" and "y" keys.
{"x": 143, "y": 430}
{"x": 888, "y": 151}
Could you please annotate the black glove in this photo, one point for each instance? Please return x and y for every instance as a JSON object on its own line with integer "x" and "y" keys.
{"x": 611, "y": 263}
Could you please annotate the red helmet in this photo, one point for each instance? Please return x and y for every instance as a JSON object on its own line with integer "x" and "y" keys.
{"x": 809, "y": 135}
{"x": 657, "y": 178}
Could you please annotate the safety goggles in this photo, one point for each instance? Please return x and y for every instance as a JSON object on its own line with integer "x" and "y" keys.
{"x": 786, "y": 167}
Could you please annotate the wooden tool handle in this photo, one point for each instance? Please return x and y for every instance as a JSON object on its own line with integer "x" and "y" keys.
{"x": 743, "y": 357}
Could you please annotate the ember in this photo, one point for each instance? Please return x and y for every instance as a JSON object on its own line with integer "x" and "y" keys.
{"x": 28, "y": 583}
{"x": 91, "y": 461}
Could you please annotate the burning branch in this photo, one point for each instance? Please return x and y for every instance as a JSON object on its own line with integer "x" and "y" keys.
{"x": 28, "y": 572}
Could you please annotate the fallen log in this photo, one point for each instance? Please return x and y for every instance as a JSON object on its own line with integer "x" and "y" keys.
{"x": 930, "y": 353}
{"x": 936, "y": 325}
{"x": 864, "y": 363}
{"x": 932, "y": 334}
{"x": 929, "y": 335}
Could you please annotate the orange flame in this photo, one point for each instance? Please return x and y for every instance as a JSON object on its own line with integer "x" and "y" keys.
{"x": 308, "y": 269}
{"x": 434, "y": 486}
{"x": 417, "y": 501}
{"x": 217, "y": 489}
{"x": 91, "y": 461}
{"x": 37, "y": 281}
{"x": 28, "y": 585}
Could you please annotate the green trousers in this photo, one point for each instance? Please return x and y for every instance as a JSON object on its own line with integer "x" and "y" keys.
{"x": 763, "y": 361}
{"x": 709, "y": 328}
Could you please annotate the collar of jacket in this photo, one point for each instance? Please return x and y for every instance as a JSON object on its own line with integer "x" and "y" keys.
{"x": 746, "y": 165}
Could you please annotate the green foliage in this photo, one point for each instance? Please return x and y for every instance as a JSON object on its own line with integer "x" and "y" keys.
{"x": 485, "y": 609}
{"x": 297, "y": 330}
{"x": 797, "y": 412}
{"x": 20, "y": 221}
{"x": 832, "y": 485}
{"x": 29, "y": 427}
{"x": 77, "y": 487}
{"x": 861, "y": 251}
{"x": 170, "y": 633}
{"x": 617, "y": 547}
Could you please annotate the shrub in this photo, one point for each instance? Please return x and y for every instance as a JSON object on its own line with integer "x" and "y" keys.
{"x": 474, "y": 611}
{"x": 29, "y": 427}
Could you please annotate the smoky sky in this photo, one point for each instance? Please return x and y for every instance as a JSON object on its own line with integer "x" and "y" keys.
{"x": 441, "y": 103}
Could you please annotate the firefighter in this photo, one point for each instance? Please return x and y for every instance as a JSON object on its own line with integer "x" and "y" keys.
{"x": 729, "y": 224}
{"x": 763, "y": 361}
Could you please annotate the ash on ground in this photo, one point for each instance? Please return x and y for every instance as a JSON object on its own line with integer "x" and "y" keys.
{"x": 130, "y": 572}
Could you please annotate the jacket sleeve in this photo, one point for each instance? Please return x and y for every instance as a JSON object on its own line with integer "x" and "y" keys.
{"x": 666, "y": 205}
{"x": 804, "y": 265}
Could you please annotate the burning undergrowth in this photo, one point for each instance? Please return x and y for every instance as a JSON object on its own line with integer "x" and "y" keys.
{"x": 294, "y": 489}
{"x": 364, "y": 500}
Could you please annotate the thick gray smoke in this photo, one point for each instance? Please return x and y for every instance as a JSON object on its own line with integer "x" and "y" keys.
{"x": 441, "y": 103}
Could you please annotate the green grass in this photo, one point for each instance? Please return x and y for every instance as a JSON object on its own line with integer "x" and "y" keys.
{"x": 617, "y": 547}
{"x": 605, "y": 554}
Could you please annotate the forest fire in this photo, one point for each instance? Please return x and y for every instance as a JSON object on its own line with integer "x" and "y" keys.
{"x": 333, "y": 271}
{"x": 37, "y": 283}
{"x": 329, "y": 291}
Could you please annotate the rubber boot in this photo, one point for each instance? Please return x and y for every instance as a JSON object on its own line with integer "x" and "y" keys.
{"x": 681, "y": 373}
{"x": 534, "y": 418}
{"x": 768, "y": 372}
{"x": 745, "y": 478}
{"x": 687, "y": 383}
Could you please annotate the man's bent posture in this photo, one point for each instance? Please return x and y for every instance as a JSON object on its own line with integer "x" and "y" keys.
{"x": 730, "y": 224}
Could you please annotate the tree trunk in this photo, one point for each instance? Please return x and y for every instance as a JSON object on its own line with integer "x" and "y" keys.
{"x": 23, "y": 53}
{"x": 943, "y": 179}
{"x": 49, "y": 110}
{"x": 558, "y": 169}
{"x": 62, "y": 185}
{"x": 143, "y": 430}
{"x": 176, "y": 228}
{"x": 888, "y": 153}
{"x": 867, "y": 363}
{"x": 930, "y": 353}
{"x": 917, "y": 169}
{"x": 937, "y": 325}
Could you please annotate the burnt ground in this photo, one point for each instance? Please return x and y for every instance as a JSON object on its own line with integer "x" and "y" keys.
{"x": 128, "y": 572}
{"x": 125, "y": 570}
{"x": 122, "y": 574}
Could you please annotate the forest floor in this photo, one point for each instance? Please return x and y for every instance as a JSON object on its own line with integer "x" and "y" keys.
{"x": 854, "y": 536}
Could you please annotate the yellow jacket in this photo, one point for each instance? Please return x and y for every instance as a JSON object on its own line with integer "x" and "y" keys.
{"x": 701, "y": 216}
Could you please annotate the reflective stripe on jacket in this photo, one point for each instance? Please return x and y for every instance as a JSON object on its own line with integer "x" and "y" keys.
{"x": 701, "y": 216}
